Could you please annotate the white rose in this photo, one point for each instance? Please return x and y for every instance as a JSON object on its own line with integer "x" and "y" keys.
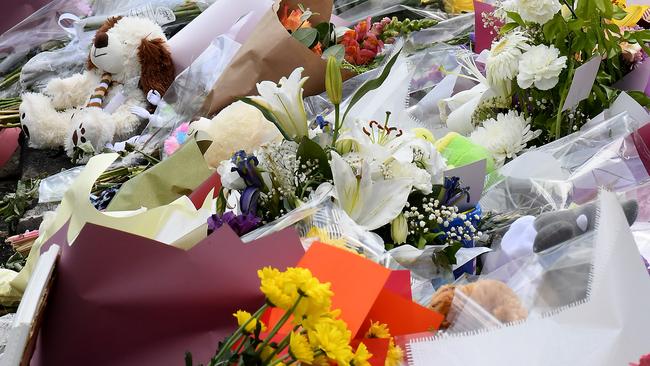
{"x": 540, "y": 66}
{"x": 537, "y": 11}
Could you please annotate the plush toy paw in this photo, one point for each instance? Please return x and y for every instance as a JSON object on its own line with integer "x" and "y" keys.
{"x": 154, "y": 97}
{"x": 42, "y": 124}
{"x": 91, "y": 129}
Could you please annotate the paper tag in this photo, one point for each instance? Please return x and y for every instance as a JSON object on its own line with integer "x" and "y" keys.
{"x": 583, "y": 81}
{"x": 472, "y": 176}
{"x": 485, "y": 34}
{"x": 636, "y": 80}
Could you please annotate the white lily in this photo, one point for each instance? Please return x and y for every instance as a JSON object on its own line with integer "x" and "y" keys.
{"x": 369, "y": 203}
{"x": 284, "y": 101}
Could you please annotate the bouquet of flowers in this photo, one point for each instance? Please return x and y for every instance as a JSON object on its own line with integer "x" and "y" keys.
{"x": 317, "y": 336}
{"x": 526, "y": 92}
{"x": 388, "y": 180}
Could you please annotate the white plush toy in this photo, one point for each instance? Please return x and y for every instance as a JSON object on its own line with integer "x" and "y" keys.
{"x": 128, "y": 58}
{"x": 239, "y": 126}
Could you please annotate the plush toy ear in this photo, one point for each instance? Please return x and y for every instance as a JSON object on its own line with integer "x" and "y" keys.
{"x": 553, "y": 234}
{"x": 156, "y": 65}
{"x": 108, "y": 24}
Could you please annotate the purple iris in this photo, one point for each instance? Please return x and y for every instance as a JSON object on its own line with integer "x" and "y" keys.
{"x": 246, "y": 167}
{"x": 240, "y": 224}
{"x": 453, "y": 191}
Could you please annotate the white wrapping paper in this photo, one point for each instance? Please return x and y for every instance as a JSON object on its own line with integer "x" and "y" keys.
{"x": 608, "y": 328}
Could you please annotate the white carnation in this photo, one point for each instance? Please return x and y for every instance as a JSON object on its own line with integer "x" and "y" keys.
{"x": 505, "y": 136}
{"x": 230, "y": 179}
{"x": 540, "y": 66}
{"x": 503, "y": 61}
{"x": 537, "y": 11}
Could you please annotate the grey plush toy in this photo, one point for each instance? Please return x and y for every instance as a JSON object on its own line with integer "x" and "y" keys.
{"x": 557, "y": 227}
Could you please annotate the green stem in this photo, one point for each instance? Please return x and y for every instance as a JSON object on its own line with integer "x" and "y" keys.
{"x": 337, "y": 123}
{"x": 230, "y": 341}
{"x": 565, "y": 93}
{"x": 570, "y": 8}
{"x": 279, "y": 324}
{"x": 281, "y": 359}
{"x": 283, "y": 343}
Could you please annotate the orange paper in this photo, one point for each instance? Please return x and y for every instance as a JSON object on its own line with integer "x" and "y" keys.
{"x": 402, "y": 315}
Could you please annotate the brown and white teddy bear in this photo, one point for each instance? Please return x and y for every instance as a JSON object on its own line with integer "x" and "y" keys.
{"x": 129, "y": 58}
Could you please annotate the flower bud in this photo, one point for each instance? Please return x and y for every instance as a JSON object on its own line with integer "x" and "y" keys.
{"x": 345, "y": 146}
{"x": 424, "y": 134}
{"x": 399, "y": 229}
{"x": 333, "y": 81}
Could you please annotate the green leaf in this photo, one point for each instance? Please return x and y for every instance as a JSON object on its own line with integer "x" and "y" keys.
{"x": 516, "y": 17}
{"x": 508, "y": 27}
{"x": 337, "y": 51}
{"x": 619, "y": 13}
{"x": 306, "y": 36}
{"x": 640, "y": 98}
{"x": 221, "y": 202}
{"x": 267, "y": 114}
{"x": 309, "y": 150}
{"x": 325, "y": 34}
{"x": 371, "y": 85}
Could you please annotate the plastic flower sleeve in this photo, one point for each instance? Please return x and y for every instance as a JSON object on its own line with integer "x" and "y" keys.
{"x": 570, "y": 169}
{"x": 186, "y": 95}
{"x": 355, "y": 11}
{"x": 329, "y": 220}
{"x": 52, "y": 188}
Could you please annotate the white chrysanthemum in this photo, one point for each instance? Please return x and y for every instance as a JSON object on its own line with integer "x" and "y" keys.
{"x": 503, "y": 62}
{"x": 505, "y": 136}
{"x": 537, "y": 11}
{"x": 540, "y": 66}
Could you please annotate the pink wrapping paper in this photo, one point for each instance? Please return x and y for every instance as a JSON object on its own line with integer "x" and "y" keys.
{"x": 120, "y": 299}
{"x": 484, "y": 35}
{"x": 8, "y": 144}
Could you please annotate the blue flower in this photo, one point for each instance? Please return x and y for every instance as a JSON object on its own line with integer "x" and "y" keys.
{"x": 246, "y": 167}
{"x": 240, "y": 224}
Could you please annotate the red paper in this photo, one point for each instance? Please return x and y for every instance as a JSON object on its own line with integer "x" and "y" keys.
{"x": 399, "y": 282}
{"x": 8, "y": 143}
{"x": 377, "y": 346}
{"x": 120, "y": 299}
{"x": 213, "y": 183}
{"x": 484, "y": 35}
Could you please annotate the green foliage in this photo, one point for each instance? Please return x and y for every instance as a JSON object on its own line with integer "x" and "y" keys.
{"x": 14, "y": 205}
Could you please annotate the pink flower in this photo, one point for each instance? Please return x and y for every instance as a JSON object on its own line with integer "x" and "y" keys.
{"x": 644, "y": 361}
{"x": 362, "y": 43}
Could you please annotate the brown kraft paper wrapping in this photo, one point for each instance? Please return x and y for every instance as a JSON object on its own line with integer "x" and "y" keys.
{"x": 269, "y": 54}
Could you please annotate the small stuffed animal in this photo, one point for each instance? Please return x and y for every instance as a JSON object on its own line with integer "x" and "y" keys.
{"x": 493, "y": 296}
{"x": 557, "y": 227}
{"x": 128, "y": 58}
{"x": 237, "y": 127}
{"x": 460, "y": 151}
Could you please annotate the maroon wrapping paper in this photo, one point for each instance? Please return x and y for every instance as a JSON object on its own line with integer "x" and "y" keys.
{"x": 642, "y": 143}
{"x": 121, "y": 299}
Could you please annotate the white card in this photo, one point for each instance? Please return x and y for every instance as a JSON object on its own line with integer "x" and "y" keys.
{"x": 583, "y": 81}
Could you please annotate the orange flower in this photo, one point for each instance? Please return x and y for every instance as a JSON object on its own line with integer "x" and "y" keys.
{"x": 318, "y": 49}
{"x": 291, "y": 20}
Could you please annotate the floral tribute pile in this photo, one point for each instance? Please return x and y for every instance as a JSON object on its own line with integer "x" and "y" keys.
{"x": 326, "y": 182}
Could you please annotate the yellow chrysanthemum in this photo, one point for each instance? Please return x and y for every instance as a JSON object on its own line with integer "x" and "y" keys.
{"x": 362, "y": 356}
{"x": 277, "y": 290}
{"x": 317, "y": 297}
{"x": 395, "y": 354}
{"x": 299, "y": 348}
{"x": 320, "y": 360}
{"x": 266, "y": 352}
{"x": 243, "y": 317}
{"x": 378, "y": 330}
{"x": 458, "y": 6}
{"x": 332, "y": 337}
{"x": 309, "y": 322}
